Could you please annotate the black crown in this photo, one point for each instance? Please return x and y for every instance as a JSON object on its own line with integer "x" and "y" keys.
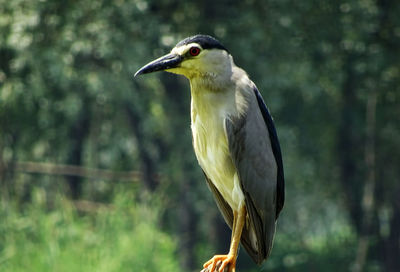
{"x": 205, "y": 41}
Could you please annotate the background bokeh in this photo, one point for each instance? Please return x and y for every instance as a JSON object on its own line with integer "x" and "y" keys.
{"x": 97, "y": 171}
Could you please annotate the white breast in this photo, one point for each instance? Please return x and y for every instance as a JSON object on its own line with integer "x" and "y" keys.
{"x": 211, "y": 148}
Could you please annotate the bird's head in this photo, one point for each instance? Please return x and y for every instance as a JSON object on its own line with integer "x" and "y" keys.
{"x": 197, "y": 56}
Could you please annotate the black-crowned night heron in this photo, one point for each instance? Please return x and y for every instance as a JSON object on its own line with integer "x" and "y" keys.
{"x": 235, "y": 142}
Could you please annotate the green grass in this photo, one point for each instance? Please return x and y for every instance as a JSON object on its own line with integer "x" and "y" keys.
{"x": 122, "y": 236}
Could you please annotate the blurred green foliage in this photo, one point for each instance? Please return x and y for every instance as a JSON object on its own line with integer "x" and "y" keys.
{"x": 122, "y": 236}
{"x": 328, "y": 70}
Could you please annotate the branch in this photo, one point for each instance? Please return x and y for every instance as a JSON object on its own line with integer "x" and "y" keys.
{"x": 74, "y": 170}
{"x": 91, "y": 206}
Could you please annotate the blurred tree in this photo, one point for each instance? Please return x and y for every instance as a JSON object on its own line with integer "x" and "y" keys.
{"x": 329, "y": 72}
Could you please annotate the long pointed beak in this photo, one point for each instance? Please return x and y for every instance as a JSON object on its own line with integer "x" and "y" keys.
{"x": 165, "y": 62}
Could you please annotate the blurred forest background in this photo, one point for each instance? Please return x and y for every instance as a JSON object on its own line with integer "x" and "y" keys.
{"x": 97, "y": 171}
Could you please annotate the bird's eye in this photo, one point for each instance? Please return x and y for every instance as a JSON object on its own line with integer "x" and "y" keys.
{"x": 194, "y": 51}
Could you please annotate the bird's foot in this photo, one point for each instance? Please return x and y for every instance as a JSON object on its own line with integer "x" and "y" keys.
{"x": 227, "y": 261}
{"x": 208, "y": 269}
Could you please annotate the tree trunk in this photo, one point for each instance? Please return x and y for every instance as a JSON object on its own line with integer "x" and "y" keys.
{"x": 187, "y": 228}
{"x": 368, "y": 199}
{"x": 392, "y": 242}
{"x": 78, "y": 135}
{"x": 348, "y": 143}
{"x": 147, "y": 165}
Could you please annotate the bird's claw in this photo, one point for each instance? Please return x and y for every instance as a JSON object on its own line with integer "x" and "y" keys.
{"x": 218, "y": 263}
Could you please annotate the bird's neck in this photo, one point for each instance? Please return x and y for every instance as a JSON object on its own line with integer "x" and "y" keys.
{"x": 212, "y": 78}
{"x": 224, "y": 95}
{"x": 208, "y": 105}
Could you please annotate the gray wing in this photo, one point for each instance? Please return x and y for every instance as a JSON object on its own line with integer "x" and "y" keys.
{"x": 223, "y": 206}
{"x": 227, "y": 213}
{"x": 251, "y": 147}
{"x": 276, "y": 149}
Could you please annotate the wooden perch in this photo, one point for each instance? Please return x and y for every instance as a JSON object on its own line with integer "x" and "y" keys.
{"x": 218, "y": 265}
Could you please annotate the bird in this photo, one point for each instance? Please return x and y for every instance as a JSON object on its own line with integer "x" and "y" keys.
{"x": 235, "y": 143}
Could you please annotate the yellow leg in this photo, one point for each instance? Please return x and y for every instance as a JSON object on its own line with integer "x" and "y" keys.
{"x": 230, "y": 258}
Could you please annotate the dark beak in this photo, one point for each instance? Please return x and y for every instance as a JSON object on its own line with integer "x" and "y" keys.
{"x": 165, "y": 62}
